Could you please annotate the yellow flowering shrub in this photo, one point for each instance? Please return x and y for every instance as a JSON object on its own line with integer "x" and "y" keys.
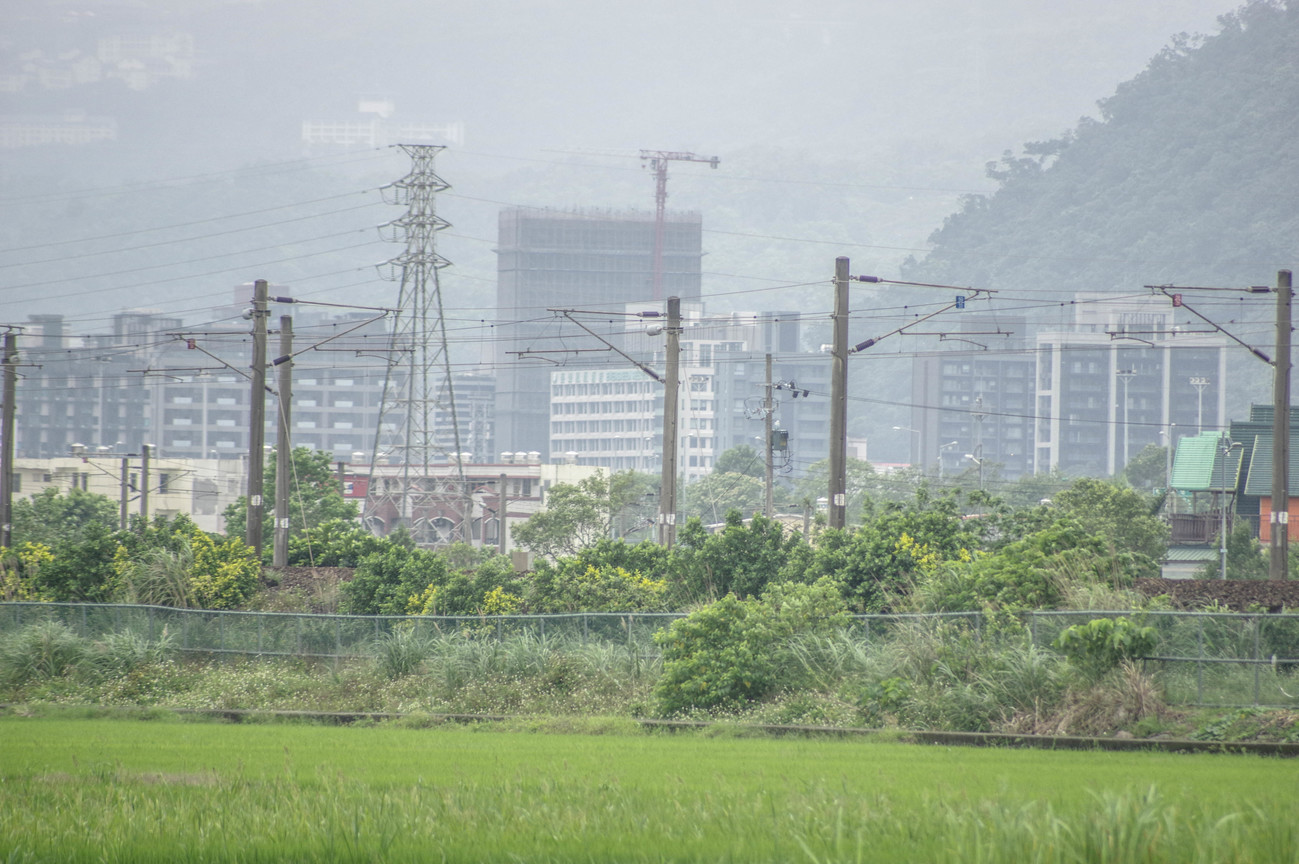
{"x": 223, "y": 574}
{"x": 18, "y": 569}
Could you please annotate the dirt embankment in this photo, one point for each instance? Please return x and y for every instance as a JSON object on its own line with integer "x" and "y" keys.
{"x": 1240, "y": 595}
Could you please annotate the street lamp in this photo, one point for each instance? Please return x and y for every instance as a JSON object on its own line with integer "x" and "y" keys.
{"x": 915, "y": 451}
{"x": 1124, "y": 376}
{"x": 941, "y": 447}
{"x": 1227, "y": 446}
{"x": 979, "y": 462}
{"x": 1199, "y": 384}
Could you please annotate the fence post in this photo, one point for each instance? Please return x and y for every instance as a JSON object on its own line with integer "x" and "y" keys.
{"x": 84, "y": 630}
{"x": 584, "y": 634}
{"x": 221, "y": 631}
{"x": 1199, "y": 664}
{"x": 150, "y": 615}
{"x": 543, "y": 628}
{"x": 261, "y": 622}
{"x": 1257, "y": 660}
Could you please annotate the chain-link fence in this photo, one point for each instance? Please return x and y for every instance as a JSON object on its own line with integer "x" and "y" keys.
{"x": 1202, "y": 658}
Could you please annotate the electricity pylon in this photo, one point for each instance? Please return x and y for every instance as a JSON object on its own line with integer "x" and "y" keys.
{"x": 418, "y": 380}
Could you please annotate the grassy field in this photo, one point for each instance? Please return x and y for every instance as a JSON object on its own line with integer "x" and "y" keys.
{"x": 111, "y": 790}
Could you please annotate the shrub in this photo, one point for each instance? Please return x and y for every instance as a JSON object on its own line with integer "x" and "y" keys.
{"x": 734, "y": 651}
{"x": 160, "y": 577}
{"x": 1103, "y": 643}
{"x": 223, "y": 574}
{"x": 333, "y": 543}
{"x": 124, "y": 652}
{"x": 403, "y": 652}
{"x": 385, "y": 582}
{"x": 19, "y": 568}
{"x": 40, "y": 652}
{"x": 600, "y": 589}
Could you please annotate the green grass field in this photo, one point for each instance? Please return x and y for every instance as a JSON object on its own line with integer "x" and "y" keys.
{"x": 111, "y": 790}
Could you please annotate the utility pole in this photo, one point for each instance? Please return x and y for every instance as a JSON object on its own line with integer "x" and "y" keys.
{"x": 7, "y": 433}
{"x": 257, "y": 420}
{"x": 1279, "y": 548}
{"x": 283, "y": 444}
{"x": 671, "y": 402}
{"x": 978, "y": 416}
{"x": 144, "y": 482}
{"x": 769, "y": 509}
{"x": 838, "y": 497}
{"x": 502, "y": 510}
{"x": 125, "y": 495}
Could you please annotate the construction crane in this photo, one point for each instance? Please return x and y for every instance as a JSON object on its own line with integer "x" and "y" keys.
{"x": 658, "y": 162}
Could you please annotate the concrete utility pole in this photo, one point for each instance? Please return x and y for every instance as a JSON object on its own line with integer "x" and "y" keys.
{"x": 283, "y": 444}
{"x": 502, "y": 510}
{"x": 144, "y": 482}
{"x": 838, "y": 491}
{"x": 1279, "y": 547}
{"x": 125, "y": 494}
{"x": 671, "y": 403}
{"x": 7, "y": 434}
{"x": 257, "y": 420}
{"x": 769, "y": 507}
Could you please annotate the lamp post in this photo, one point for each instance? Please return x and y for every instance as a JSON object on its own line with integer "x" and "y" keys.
{"x": 941, "y": 447}
{"x": 1199, "y": 384}
{"x": 915, "y": 451}
{"x": 1227, "y": 446}
{"x": 1124, "y": 376}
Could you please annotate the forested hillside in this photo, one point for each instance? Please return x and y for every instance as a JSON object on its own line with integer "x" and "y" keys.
{"x": 1189, "y": 177}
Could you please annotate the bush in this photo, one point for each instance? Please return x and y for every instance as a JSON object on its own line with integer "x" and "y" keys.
{"x": 223, "y": 574}
{"x": 1103, "y": 643}
{"x": 735, "y": 651}
{"x": 122, "y": 653}
{"x": 385, "y": 582}
{"x": 40, "y": 652}
{"x": 600, "y": 589}
{"x": 403, "y": 652}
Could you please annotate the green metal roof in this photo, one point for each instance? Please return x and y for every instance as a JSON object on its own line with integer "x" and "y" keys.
{"x": 1191, "y": 553}
{"x": 1198, "y": 464}
{"x": 1259, "y": 479}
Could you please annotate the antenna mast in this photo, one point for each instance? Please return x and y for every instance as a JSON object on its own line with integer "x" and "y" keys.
{"x": 418, "y": 380}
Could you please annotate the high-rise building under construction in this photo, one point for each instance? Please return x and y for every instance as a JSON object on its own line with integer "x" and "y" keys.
{"x": 587, "y": 259}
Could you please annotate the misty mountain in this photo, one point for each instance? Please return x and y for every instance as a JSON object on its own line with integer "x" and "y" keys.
{"x": 1188, "y": 177}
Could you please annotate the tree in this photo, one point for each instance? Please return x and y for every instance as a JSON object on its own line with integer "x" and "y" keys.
{"x": 741, "y": 559}
{"x": 713, "y": 496}
{"x": 51, "y": 517}
{"x": 861, "y": 479}
{"x": 314, "y": 498}
{"x": 742, "y": 459}
{"x": 1124, "y": 516}
{"x": 579, "y": 514}
{"x": 1030, "y": 573}
{"x": 894, "y": 545}
{"x": 1148, "y": 470}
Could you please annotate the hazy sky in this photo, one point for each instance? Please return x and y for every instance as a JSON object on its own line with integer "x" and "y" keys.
{"x": 818, "y": 109}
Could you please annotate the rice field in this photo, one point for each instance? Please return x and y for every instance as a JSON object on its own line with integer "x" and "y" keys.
{"x": 74, "y": 790}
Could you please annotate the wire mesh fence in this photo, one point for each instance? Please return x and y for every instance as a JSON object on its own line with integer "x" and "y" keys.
{"x": 1202, "y": 658}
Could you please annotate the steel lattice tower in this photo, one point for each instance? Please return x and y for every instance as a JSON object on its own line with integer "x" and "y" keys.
{"x": 418, "y": 380}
